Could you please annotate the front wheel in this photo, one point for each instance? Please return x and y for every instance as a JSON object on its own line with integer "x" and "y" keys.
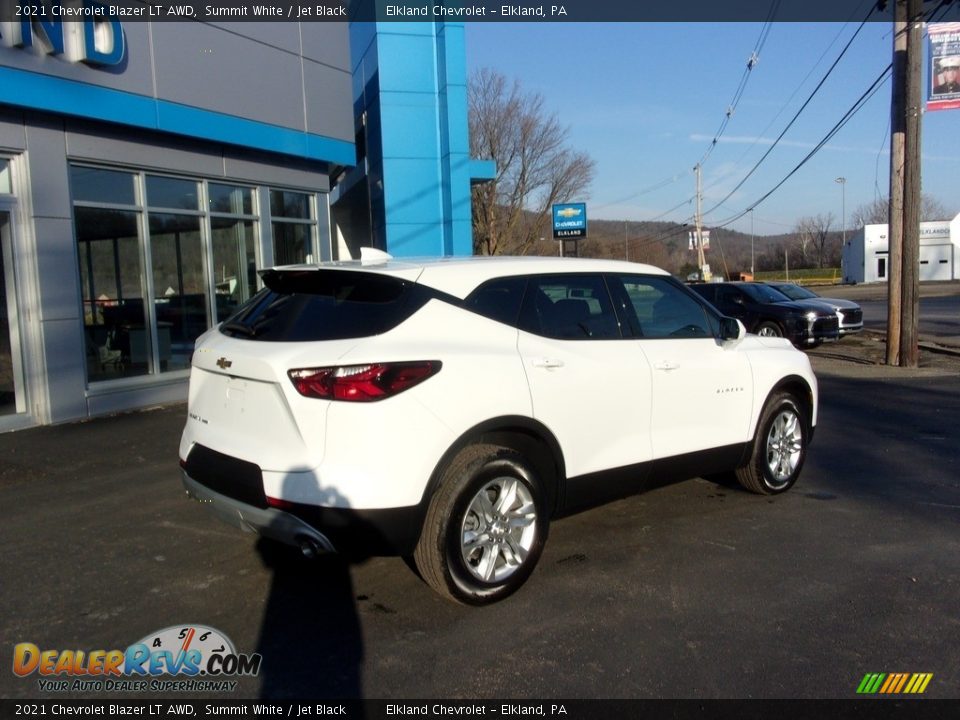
{"x": 769, "y": 329}
{"x": 779, "y": 447}
{"x": 485, "y": 528}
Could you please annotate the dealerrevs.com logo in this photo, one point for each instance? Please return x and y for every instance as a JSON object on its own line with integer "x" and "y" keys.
{"x": 201, "y": 658}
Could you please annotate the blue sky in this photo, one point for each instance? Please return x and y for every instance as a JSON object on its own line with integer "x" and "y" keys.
{"x": 645, "y": 101}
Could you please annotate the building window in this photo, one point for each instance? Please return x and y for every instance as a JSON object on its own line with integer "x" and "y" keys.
{"x": 180, "y": 297}
{"x": 6, "y": 186}
{"x": 293, "y": 227}
{"x": 190, "y": 245}
{"x": 111, "y": 273}
{"x": 234, "y": 243}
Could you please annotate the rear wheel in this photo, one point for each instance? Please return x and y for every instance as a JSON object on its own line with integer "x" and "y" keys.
{"x": 779, "y": 447}
{"x": 769, "y": 328}
{"x": 485, "y": 528}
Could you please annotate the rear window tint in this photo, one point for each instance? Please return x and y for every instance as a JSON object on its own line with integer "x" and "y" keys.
{"x": 309, "y": 305}
{"x": 498, "y": 299}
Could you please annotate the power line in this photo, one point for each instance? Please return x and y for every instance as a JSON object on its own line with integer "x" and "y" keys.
{"x": 744, "y": 78}
{"x": 855, "y": 108}
{"x": 786, "y": 103}
{"x": 796, "y": 115}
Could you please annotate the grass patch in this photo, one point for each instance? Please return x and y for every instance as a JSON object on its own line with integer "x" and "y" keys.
{"x": 819, "y": 276}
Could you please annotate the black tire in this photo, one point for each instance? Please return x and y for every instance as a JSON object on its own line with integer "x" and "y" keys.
{"x": 471, "y": 485}
{"x": 779, "y": 447}
{"x": 768, "y": 328}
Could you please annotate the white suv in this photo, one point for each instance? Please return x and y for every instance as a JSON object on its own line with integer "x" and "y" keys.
{"x": 448, "y": 409}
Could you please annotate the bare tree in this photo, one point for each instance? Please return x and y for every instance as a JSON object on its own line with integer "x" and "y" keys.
{"x": 535, "y": 168}
{"x": 877, "y": 212}
{"x": 812, "y": 235}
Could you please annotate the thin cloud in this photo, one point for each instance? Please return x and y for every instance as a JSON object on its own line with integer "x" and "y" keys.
{"x": 748, "y": 140}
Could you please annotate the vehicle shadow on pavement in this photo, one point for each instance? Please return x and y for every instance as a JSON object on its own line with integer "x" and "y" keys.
{"x": 310, "y": 639}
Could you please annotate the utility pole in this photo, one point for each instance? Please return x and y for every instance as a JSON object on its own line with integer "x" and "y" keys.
{"x": 895, "y": 215}
{"x": 751, "y": 244}
{"x": 910, "y": 292}
{"x": 626, "y": 249}
{"x": 843, "y": 208}
{"x": 705, "y": 273}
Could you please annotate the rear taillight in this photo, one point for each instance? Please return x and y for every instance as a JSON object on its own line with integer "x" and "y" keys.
{"x": 362, "y": 383}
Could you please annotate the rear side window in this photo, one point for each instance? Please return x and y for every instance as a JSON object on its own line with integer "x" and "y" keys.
{"x": 569, "y": 307}
{"x": 309, "y": 305}
{"x": 498, "y": 299}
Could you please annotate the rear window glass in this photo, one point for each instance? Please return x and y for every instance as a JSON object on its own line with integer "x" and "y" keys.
{"x": 498, "y": 299}
{"x": 309, "y": 305}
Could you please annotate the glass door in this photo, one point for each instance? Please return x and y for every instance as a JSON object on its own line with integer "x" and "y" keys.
{"x": 12, "y": 400}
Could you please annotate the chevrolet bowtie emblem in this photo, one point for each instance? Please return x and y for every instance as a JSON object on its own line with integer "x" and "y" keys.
{"x": 223, "y": 363}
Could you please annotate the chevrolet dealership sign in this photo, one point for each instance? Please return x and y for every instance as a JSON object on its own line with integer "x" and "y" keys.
{"x": 569, "y": 220}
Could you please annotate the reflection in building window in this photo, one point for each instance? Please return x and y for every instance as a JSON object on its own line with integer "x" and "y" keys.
{"x": 6, "y": 185}
{"x": 174, "y": 193}
{"x": 292, "y": 226}
{"x": 102, "y": 186}
{"x": 179, "y": 288}
{"x": 191, "y": 244}
{"x": 232, "y": 234}
{"x": 114, "y": 316}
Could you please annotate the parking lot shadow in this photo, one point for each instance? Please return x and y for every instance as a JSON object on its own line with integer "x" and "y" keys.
{"x": 310, "y": 639}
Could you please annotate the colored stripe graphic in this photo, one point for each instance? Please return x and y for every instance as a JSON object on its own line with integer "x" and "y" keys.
{"x": 870, "y": 683}
{"x": 894, "y": 683}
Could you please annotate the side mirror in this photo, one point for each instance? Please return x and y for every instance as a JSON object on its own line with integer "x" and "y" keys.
{"x": 731, "y": 329}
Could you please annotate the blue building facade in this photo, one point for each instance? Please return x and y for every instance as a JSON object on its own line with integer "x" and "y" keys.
{"x": 414, "y": 168}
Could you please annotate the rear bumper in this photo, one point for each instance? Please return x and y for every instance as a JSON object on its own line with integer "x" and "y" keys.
{"x": 267, "y": 522}
{"x": 356, "y": 533}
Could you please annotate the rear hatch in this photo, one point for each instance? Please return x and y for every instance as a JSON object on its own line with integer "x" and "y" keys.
{"x": 242, "y": 400}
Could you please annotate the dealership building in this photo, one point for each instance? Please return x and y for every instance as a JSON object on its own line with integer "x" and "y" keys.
{"x": 866, "y": 255}
{"x": 148, "y": 169}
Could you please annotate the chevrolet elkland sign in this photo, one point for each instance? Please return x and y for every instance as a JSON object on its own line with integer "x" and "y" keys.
{"x": 569, "y": 220}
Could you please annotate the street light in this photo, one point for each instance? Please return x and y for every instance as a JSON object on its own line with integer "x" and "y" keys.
{"x": 843, "y": 206}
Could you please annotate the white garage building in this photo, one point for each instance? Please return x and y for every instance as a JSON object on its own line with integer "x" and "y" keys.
{"x": 866, "y": 254}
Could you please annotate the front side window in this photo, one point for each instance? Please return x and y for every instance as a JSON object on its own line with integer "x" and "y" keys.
{"x": 569, "y": 307}
{"x": 662, "y": 309}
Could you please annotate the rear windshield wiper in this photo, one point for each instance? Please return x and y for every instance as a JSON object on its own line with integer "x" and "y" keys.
{"x": 240, "y": 328}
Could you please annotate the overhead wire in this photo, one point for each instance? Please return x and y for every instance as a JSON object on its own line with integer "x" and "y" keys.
{"x": 942, "y": 7}
{"x": 785, "y": 105}
{"x": 860, "y": 102}
{"x": 793, "y": 119}
{"x": 744, "y": 79}
{"x": 731, "y": 109}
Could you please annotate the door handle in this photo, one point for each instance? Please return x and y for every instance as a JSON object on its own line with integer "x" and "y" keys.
{"x": 548, "y": 363}
{"x": 667, "y": 365}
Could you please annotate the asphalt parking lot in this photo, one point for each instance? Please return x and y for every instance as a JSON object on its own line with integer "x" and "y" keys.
{"x": 694, "y": 590}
